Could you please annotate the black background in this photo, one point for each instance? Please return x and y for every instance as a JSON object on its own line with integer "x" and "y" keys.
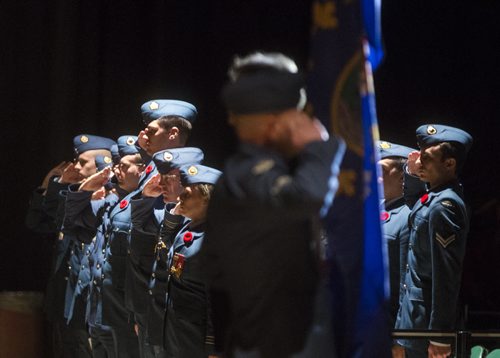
{"x": 70, "y": 67}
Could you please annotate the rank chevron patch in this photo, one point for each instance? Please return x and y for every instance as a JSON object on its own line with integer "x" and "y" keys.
{"x": 445, "y": 242}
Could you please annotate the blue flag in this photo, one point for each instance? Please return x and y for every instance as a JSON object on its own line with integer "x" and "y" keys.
{"x": 346, "y": 46}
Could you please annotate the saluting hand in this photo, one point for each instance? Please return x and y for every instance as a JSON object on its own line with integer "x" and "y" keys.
{"x": 56, "y": 171}
{"x": 152, "y": 187}
{"x": 303, "y": 130}
{"x": 99, "y": 194}
{"x": 96, "y": 181}
{"x": 70, "y": 175}
{"x": 142, "y": 139}
{"x": 414, "y": 162}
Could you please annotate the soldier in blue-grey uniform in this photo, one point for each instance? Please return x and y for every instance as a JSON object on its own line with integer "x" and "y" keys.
{"x": 261, "y": 244}
{"x": 439, "y": 223}
{"x": 153, "y": 218}
{"x": 109, "y": 221}
{"x": 188, "y": 326}
{"x": 168, "y": 125}
{"x": 80, "y": 246}
{"x": 394, "y": 218}
{"x": 45, "y": 215}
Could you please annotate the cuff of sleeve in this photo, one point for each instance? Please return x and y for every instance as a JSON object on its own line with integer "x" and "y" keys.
{"x": 210, "y": 345}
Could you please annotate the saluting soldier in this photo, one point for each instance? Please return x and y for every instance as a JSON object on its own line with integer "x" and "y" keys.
{"x": 168, "y": 125}
{"x": 81, "y": 245}
{"x": 109, "y": 221}
{"x": 45, "y": 215}
{"x": 394, "y": 218}
{"x": 153, "y": 219}
{"x": 188, "y": 327}
{"x": 259, "y": 246}
{"x": 439, "y": 224}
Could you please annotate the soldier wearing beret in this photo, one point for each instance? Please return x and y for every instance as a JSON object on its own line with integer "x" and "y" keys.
{"x": 394, "y": 218}
{"x": 438, "y": 224}
{"x": 259, "y": 250}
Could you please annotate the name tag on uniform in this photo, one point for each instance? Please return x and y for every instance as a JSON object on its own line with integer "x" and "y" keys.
{"x": 177, "y": 265}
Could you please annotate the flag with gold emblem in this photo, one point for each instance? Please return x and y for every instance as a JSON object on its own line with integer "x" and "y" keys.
{"x": 346, "y": 45}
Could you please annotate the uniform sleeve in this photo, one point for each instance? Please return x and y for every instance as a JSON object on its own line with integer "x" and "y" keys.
{"x": 52, "y": 199}
{"x": 143, "y": 215}
{"x": 447, "y": 232}
{"x": 209, "y": 335}
{"x": 82, "y": 215}
{"x": 306, "y": 185}
{"x": 37, "y": 219}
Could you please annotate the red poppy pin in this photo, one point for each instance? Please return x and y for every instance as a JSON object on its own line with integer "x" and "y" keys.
{"x": 188, "y": 238}
{"x": 384, "y": 215}
{"x": 424, "y": 198}
{"x": 123, "y": 203}
{"x": 149, "y": 169}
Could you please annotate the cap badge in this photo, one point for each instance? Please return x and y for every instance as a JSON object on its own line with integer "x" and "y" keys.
{"x": 130, "y": 140}
{"x": 84, "y": 139}
{"x": 431, "y": 130}
{"x": 168, "y": 156}
{"x": 107, "y": 159}
{"x": 192, "y": 170}
{"x": 153, "y": 105}
{"x": 385, "y": 145}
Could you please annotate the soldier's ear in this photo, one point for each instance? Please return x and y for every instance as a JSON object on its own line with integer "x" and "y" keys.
{"x": 173, "y": 133}
{"x": 450, "y": 163}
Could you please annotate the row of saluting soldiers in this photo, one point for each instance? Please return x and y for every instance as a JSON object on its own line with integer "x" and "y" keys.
{"x": 132, "y": 263}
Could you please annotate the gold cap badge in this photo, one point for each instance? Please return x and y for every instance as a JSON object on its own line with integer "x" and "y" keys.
{"x": 107, "y": 159}
{"x": 385, "y": 145}
{"x": 130, "y": 140}
{"x": 153, "y": 105}
{"x": 192, "y": 170}
{"x": 84, "y": 139}
{"x": 431, "y": 130}
{"x": 168, "y": 156}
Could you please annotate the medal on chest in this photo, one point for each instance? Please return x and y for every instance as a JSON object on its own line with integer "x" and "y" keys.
{"x": 177, "y": 265}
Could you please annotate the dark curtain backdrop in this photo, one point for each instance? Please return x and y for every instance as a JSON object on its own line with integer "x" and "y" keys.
{"x": 71, "y": 67}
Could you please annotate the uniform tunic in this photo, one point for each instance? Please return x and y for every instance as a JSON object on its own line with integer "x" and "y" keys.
{"x": 259, "y": 249}
{"x": 439, "y": 224}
